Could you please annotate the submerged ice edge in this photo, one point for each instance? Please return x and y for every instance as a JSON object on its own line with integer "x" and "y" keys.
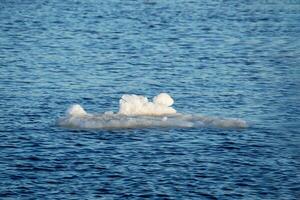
{"x": 119, "y": 121}
{"x": 138, "y": 112}
{"x": 109, "y": 120}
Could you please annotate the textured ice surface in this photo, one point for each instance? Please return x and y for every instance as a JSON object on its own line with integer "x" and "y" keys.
{"x": 138, "y": 112}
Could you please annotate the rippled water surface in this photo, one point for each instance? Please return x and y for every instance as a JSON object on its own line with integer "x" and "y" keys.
{"x": 216, "y": 58}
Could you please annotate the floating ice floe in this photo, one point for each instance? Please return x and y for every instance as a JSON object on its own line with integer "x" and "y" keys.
{"x": 138, "y": 112}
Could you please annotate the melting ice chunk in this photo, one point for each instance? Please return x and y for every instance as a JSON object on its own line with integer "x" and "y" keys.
{"x": 138, "y": 112}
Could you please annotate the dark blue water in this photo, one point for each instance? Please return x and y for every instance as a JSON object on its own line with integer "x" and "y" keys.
{"x": 218, "y": 58}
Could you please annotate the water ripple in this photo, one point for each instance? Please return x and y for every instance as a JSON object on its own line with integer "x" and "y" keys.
{"x": 218, "y": 58}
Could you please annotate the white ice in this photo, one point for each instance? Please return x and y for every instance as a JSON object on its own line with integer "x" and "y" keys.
{"x": 139, "y": 105}
{"x": 138, "y": 112}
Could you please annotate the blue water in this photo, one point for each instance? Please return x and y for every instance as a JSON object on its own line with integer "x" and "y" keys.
{"x": 217, "y": 58}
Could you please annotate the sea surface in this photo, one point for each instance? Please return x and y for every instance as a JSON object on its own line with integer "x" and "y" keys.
{"x": 220, "y": 58}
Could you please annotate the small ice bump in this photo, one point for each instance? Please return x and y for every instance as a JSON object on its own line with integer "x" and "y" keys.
{"x": 76, "y": 110}
{"x": 163, "y": 99}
